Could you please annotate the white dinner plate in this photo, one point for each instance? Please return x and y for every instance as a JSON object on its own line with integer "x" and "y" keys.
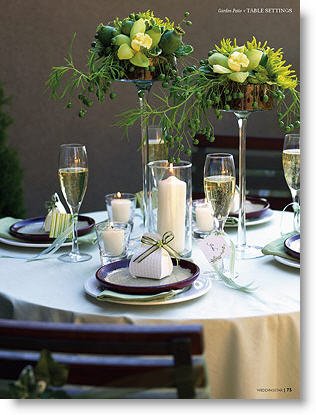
{"x": 199, "y": 287}
{"x": 26, "y": 244}
{"x": 289, "y": 262}
{"x": 251, "y": 222}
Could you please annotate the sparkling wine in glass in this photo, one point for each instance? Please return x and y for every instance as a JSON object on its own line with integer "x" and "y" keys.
{"x": 219, "y": 189}
{"x": 73, "y": 178}
{"x": 291, "y": 166}
{"x": 219, "y": 186}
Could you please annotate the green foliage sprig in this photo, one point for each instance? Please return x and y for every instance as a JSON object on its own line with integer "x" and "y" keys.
{"x": 129, "y": 48}
{"x": 220, "y": 84}
{"x": 42, "y": 381}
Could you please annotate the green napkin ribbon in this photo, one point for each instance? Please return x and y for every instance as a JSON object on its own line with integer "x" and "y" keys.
{"x": 276, "y": 247}
{"x": 113, "y": 295}
{"x": 157, "y": 244}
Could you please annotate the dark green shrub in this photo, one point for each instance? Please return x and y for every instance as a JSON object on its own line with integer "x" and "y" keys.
{"x": 11, "y": 193}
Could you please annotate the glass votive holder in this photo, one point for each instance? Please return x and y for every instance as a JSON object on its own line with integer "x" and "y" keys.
{"x": 203, "y": 220}
{"x": 113, "y": 239}
{"x": 120, "y": 207}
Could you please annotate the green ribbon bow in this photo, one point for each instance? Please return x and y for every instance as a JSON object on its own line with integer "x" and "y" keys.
{"x": 167, "y": 237}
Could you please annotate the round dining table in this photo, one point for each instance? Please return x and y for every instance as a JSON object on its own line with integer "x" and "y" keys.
{"x": 252, "y": 340}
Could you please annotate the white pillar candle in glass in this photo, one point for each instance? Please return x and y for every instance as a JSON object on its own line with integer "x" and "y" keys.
{"x": 113, "y": 240}
{"x": 172, "y": 210}
{"x": 121, "y": 210}
{"x": 204, "y": 218}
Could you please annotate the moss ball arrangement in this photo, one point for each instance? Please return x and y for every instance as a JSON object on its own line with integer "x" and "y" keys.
{"x": 250, "y": 77}
{"x": 140, "y": 46}
{"x": 11, "y": 192}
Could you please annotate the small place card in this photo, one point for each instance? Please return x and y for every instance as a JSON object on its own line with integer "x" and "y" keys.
{"x": 214, "y": 247}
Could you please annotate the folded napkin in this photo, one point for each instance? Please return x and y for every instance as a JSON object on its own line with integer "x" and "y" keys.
{"x": 113, "y": 295}
{"x": 231, "y": 220}
{"x": 276, "y": 248}
{"x": 5, "y": 224}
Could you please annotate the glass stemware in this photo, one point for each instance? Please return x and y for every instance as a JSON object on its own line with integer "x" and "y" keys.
{"x": 73, "y": 177}
{"x": 143, "y": 87}
{"x": 219, "y": 186}
{"x": 244, "y": 250}
{"x": 219, "y": 189}
{"x": 291, "y": 166}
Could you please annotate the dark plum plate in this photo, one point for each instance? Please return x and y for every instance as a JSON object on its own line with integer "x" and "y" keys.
{"x": 32, "y": 229}
{"x": 116, "y": 277}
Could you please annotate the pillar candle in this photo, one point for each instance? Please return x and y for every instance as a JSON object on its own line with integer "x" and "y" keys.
{"x": 172, "y": 210}
{"x": 121, "y": 210}
{"x": 113, "y": 240}
{"x": 204, "y": 218}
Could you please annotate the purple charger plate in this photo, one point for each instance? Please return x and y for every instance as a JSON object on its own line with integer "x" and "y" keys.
{"x": 255, "y": 213}
{"x": 287, "y": 246}
{"x": 15, "y": 229}
{"x": 102, "y": 272}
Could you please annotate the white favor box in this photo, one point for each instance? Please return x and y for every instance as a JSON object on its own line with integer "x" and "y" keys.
{"x": 156, "y": 266}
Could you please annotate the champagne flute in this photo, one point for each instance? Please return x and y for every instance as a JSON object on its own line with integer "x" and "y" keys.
{"x": 73, "y": 177}
{"x": 219, "y": 186}
{"x": 291, "y": 166}
{"x": 219, "y": 189}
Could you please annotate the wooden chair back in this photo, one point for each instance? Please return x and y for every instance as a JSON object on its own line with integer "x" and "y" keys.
{"x": 112, "y": 356}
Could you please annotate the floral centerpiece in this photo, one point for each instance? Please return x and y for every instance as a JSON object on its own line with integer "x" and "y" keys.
{"x": 138, "y": 47}
{"x": 250, "y": 77}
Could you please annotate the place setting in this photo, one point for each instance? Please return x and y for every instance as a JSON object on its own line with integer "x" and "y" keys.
{"x": 58, "y": 228}
{"x": 287, "y": 249}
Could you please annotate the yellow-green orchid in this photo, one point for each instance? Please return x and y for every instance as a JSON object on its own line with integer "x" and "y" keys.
{"x": 237, "y": 61}
{"x": 141, "y": 40}
{"x": 237, "y": 64}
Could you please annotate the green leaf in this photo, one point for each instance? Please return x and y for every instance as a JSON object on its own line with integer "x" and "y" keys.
{"x": 254, "y": 56}
{"x": 155, "y": 35}
{"x": 205, "y": 69}
{"x": 138, "y": 27}
{"x": 121, "y": 39}
{"x": 238, "y": 76}
{"x": 218, "y": 59}
{"x": 52, "y": 372}
{"x": 184, "y": 50}
{"x": 221, "y": 69}
{"x": 125, "y": 52}
{"x": 139, "y": 59}
{"x": 27, "y": 378}
{"x": 154, "y": 52}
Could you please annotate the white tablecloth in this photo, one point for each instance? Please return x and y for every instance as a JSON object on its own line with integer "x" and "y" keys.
{"x": 252, "y": 340}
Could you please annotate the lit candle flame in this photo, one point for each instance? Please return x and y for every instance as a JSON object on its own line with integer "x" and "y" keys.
{"x": 118, "y": 195}
{"x": 171, "y": 170}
